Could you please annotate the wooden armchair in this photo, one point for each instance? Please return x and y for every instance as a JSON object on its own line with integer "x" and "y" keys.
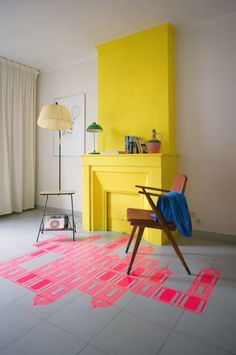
{"x": 141, "y": 219}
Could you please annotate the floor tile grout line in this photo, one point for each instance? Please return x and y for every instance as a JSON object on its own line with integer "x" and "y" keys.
{"x": 95, "y": 347}
{"x": 38, "y": 325}
{"x": 18, "y": 338}
{"x": 60, "y": 327}
{"x": 82, "y": 349}
{"x": 111, "y": 320}
{"x": 64, "y": 330}
{"x": 219, "y": 309}
{"x": 172, "y": 330}
{"x": 147, "y": 320}
{"x": 164, "y": 342}
{"x": 204, "y": 342}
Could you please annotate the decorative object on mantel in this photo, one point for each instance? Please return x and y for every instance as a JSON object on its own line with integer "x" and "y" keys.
{"x": 154, "y": 144}
{"x": 94, "y": 128}
{"x": 56, "y": 118}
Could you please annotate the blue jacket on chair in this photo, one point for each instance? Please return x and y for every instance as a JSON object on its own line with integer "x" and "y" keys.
{"x": 175, "y": 209}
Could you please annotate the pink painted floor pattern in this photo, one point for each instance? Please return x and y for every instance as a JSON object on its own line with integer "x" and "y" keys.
{"x": 95, "y": 271}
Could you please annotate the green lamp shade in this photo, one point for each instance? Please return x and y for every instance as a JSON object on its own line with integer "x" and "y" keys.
{"x": 94, "y": 127}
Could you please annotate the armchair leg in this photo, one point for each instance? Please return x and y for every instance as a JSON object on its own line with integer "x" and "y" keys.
{"x": 138, "y": 240}
{"x": 131, "y": 238}
{"x": 178, "y": 252}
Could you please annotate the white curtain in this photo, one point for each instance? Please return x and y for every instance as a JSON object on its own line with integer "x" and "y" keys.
{"x": 17, "y": 136}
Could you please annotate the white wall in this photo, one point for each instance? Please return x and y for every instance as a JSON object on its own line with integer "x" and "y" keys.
{"x": 80, "y": 77}
{"x": 206, "y": 123}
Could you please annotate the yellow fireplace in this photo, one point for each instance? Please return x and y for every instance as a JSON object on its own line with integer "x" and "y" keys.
{"x": 109, "y": 188}
{"x": 135, "y": 96}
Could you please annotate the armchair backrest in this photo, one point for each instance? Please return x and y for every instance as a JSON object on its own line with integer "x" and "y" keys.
{"x": 179, "y": 183}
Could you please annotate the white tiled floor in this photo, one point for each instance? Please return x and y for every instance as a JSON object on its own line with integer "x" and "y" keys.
{"x": 134, "y": 324}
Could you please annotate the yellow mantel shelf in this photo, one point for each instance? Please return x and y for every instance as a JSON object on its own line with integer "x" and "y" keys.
{"x": 109, "y": 188}
{"x": 127, "y": 159}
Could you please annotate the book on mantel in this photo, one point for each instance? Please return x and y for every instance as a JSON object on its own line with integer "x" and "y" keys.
{"x": 135, "y": 145}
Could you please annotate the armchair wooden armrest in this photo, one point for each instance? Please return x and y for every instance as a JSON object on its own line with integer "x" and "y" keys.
{"x": 152, "y": 204}
{"x": 152, "y": 194}
{"x": 151, "y": 188}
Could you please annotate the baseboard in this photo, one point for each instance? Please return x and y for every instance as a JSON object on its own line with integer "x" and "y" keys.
{"x": 220, "y": 236}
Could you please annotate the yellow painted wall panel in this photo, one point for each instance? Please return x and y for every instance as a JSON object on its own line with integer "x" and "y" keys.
{"x": 117, "y": 225}
{"x": 115, "y": 180}
{"x": 121, "y": 199}
{"x": 136, "y": 88}
{"x": 117, "y": 204}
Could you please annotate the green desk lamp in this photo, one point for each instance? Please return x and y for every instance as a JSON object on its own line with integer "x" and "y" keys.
{"x": 94, "y": 128}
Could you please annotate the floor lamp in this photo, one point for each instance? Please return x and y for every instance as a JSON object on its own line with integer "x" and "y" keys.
{"x": 56, "y": 118}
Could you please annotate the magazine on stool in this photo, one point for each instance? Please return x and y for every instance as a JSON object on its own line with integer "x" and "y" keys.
{"x": 57, "y": 222}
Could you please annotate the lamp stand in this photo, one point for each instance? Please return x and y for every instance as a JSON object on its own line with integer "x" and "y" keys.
{"x": 94, "y": 151}
{"x": 59, "y": 160}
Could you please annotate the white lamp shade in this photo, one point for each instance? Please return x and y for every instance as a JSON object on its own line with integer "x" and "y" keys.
{"x": 55, "y": 117}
